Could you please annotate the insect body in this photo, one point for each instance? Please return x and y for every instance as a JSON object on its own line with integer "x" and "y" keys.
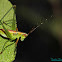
{"x": 11, "y": 34}
{"x": 14, "y": 33}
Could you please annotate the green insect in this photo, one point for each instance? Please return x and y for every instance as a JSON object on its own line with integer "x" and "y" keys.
{"x": 13, "y": 35}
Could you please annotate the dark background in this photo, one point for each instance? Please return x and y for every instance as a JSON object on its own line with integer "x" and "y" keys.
{"x": 41, "y": 45}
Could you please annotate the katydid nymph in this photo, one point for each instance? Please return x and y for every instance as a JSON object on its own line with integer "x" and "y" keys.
{"x": 13, "y": 35}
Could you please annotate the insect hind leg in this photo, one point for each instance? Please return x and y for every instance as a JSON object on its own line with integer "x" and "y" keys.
{"x": 3, "y": 47}
{"x": 6, "y": 46}
{"x": 3, "y": 30}
{"x": 4, "y": 37}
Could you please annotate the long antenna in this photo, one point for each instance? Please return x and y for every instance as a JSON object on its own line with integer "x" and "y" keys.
{"x": 7, "y": 12}
{"x": 34, "y": 29}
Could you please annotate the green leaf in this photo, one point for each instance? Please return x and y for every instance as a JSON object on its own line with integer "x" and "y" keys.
{"x": 8, "y": 54}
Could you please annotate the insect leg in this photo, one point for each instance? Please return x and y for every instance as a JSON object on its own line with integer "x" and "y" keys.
{"x": 6, "y": 24}
{"x": 4, "y": 37}
{"x": 6, "y": 13}
{"x": 16, "y": 29}
{"x": 17, "y": 41}
{"x": 16, "y": 45}
{"x": 6, "y": 47}
{"x": 2, "y": 30}
{"x": 3, "y": 47}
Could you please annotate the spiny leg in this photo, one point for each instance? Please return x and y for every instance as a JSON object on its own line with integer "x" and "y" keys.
{"x": 6, "y": 47}
{"x": 3, "y": 47}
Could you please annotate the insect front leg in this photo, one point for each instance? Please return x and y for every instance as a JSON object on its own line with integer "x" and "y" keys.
{"x": 16, "y": 45}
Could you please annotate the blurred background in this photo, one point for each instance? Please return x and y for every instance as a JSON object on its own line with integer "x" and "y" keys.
{"x": 46, "y": 41}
